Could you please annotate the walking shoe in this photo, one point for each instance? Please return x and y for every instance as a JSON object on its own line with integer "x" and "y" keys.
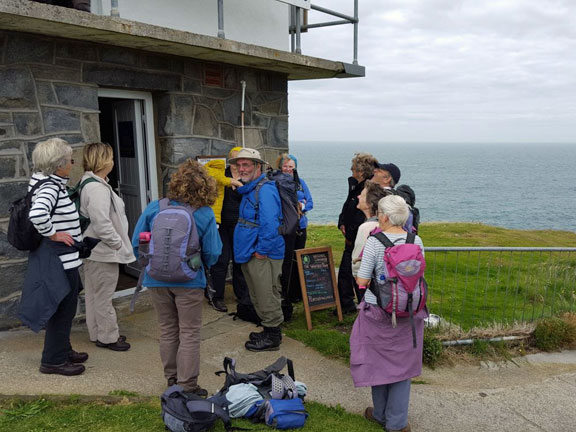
{"x": 119, "y": 345}
{"x": 172, "y": 381}
{"x": 407, "y": 428}
{"x": 196, "y": 390}
{"x": 369, "y": 415}
{"x": 218, "y": 305}
{"x": 67, "y": 369}
{"x": 77, "y": 357}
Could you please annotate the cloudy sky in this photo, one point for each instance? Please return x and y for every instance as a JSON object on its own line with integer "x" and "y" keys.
{"x": 444, "y": 71}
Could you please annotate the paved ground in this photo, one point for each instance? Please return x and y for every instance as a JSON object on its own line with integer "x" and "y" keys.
{"x": 535, "y": 393}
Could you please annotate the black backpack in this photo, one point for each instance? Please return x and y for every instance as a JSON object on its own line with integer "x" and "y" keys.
{"x": 190, "y": 413}
{"x": 287, "y": 189}
{"x": 21, "y": 232}
{"x": 409, "y": 196}
{"x": 269, "y": 381}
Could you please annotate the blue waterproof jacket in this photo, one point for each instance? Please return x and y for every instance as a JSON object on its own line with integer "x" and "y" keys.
{"x": 257, "y": 229}
{"x": 209, "y": 242}
{"x": 304, "y": 196}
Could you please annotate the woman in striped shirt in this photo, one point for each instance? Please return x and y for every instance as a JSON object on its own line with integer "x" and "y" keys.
{"x": 55, "y": 216}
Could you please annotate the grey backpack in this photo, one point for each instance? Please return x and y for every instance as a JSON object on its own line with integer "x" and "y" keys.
{"x": 174, "y": 250}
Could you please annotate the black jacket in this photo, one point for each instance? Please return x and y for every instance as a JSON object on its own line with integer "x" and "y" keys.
{"x": 350, "y": 216}
{"x": 230, "y": 205}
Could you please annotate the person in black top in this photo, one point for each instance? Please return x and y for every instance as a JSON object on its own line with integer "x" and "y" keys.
{"x": 229, "y": 219}
{"x": 348, "y": 222}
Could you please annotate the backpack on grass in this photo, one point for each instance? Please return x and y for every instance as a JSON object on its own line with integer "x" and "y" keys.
{"x": 190, "y": 413}
{"x": 21, "y": 232}
{"x": 404, "y": 291}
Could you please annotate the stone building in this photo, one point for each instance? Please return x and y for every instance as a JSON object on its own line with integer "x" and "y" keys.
{"x": 159, "y": 95}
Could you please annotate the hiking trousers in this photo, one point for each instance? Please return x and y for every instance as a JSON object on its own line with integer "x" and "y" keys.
{"x": 391, "y": 403}
{"x": 179, "y": 312}
{"x": 100, "y": 280}
{"x": 263, "y": 279}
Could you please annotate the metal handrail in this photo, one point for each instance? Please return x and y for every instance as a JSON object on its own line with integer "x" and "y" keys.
{"x": 296, "y": 27}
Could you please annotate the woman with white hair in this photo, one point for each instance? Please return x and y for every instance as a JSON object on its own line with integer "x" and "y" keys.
{"x": 383, "y": 356}
{"x": 52, "y": 283}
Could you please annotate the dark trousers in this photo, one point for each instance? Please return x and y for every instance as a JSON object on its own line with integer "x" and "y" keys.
{"x": 57, "y": 340}
{"x": 290, "y": 278}
{"x": 347, "y": 287}
{"x": 220, "y": 269}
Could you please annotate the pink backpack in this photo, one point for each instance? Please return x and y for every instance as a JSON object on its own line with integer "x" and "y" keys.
{"x": 404, "y": 291}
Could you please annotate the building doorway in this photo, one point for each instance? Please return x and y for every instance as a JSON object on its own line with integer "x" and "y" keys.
{"x": 126, "y": 123}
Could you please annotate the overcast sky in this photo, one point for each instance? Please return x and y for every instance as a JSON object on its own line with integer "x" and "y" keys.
{"x": 444, "y": 71}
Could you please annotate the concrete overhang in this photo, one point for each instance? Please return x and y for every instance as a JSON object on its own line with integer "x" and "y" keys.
{"x": 43, "y": 19}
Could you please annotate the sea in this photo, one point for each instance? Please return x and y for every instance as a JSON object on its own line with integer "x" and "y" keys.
{"x": 519, "y": 186}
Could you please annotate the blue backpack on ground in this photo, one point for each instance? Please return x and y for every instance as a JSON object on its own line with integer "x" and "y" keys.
{"x": 285, "y": 413}
{"x": 174, "y": 249}
{"x": 190, "y": 413}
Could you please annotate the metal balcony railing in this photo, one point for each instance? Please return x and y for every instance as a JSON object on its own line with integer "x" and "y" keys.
{"x": 298, "y": 21}
{"x": 475, "y": 287}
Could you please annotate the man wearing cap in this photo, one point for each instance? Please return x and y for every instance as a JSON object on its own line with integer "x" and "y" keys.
{"x": 259, "y": 247}
{"x": 386, "y": 175}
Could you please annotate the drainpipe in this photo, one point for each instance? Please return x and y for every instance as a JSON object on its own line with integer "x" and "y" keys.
{"x": 114, "y": 9}
{"x": 242, "y": 111}
{"x": 221, "y": 19}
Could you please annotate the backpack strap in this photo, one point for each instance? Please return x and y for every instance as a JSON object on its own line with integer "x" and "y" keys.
{"x": 256, "y": 204}
{"x": 381, "y": 237}
{"x": 410, "y": 238}
{"x": 37, "y": 186}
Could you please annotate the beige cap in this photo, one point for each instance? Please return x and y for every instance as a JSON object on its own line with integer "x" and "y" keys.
{"x": 248, "y": 153}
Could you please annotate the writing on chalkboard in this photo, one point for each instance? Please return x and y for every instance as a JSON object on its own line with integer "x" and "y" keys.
{"x": 318, "y": 278}
{"x": 318, "y": 281}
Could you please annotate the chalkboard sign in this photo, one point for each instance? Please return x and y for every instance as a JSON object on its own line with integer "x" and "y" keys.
{"x": 318, "y": 281}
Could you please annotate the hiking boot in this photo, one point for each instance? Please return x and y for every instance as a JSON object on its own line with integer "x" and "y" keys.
{"x": 257, "y": 335}
{"x": 119, "y": 345}
{"x": 66, "y": 369}
{"x": 172, "y": 381}
{"x": 196, "y": 390}
{"x": 77, "y": 357}
{"x": 270, "y": 340}
{"x": 218, "y": 305}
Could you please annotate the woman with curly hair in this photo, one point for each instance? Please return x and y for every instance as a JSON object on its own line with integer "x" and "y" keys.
{"x": 348, "y": 222}
{"x": 178, "y": 305}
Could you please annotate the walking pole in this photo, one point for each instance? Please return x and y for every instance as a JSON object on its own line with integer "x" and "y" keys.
{"x": 242, "y": 111}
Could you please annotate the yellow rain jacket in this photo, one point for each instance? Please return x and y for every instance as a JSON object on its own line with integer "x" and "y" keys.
{"x": 217, "y": 169}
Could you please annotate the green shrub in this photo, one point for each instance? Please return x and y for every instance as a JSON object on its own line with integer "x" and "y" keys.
{"x": 553, "y": 333}
{"x": 433, "y": 349}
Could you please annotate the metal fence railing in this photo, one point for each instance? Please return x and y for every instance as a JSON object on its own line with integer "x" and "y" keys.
{"x": 479, "y": 286}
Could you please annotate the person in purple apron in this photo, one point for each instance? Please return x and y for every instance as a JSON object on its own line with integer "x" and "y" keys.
{"x": 381, "y": 356}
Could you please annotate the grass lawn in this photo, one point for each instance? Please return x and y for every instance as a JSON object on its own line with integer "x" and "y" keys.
{"x": 44, "y": 415}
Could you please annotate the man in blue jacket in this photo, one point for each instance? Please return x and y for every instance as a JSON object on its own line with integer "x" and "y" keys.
{"x": 259, "y": 247}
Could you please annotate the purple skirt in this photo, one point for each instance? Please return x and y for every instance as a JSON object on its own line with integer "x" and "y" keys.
{"x": 381, "y": 354}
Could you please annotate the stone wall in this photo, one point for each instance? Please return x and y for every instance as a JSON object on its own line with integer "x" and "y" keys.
{"x": 49, "y": 88}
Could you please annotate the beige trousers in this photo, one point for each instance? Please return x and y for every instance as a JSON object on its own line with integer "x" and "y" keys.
{"x": 100, "y": 280}
{"x": 179, "y": 312}
{"x": 263, "y": 279}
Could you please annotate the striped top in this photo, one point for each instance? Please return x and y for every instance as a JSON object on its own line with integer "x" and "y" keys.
{"x": 65, "y": 217}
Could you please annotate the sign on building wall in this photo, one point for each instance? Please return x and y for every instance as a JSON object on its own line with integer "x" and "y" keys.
{"x": 305, "y": 4}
